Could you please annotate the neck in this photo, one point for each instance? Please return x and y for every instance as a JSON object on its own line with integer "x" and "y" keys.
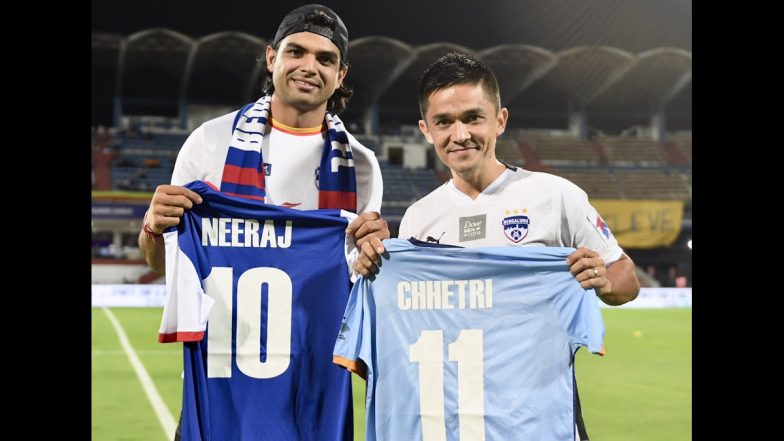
{"x": 293, "y": 117}
{"x": 473, "y": 182}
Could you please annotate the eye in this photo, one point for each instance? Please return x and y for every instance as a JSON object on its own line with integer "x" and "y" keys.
{"x": 326, "y": 60}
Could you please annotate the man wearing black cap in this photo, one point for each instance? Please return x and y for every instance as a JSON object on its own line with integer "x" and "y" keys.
{"x": 290, "y": 149}
{"x": 304, "y": 92}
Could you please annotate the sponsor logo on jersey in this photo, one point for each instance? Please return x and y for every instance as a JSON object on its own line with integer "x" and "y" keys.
{"x": 472, "y": 227}
{"x": 267, "y": 168}
{"x": 316, "y": 174}
{"x": 515, "y": 227}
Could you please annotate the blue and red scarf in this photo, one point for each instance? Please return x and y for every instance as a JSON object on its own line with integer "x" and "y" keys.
{"x": 243, "y": 172}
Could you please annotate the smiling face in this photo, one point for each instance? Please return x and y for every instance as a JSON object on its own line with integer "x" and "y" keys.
{"x": 462, "y": 123}
{"x": 306, "y": 70}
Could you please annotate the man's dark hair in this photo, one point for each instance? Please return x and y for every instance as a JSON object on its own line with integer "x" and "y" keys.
{"x": 457, "y": 68}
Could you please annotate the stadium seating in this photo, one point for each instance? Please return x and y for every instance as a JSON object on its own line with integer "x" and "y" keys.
{"x": 561, "y": 150}
{"x": 621, "y": 150}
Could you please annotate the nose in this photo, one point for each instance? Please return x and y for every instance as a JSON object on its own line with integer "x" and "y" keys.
{"x": 308, "y": 63}
{"x": 460, "y": 132}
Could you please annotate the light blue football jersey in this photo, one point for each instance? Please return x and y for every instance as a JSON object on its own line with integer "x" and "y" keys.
{"x": 470, "y": 344}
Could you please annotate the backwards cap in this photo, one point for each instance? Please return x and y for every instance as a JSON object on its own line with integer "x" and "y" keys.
{"x": 317, "y": 19}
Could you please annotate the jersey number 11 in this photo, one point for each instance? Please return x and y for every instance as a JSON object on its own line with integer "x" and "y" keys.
{"x": 468, "y": 352}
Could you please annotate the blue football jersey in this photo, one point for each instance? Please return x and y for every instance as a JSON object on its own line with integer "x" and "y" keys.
{"x": 469, "y": 344}
{"x": 257, "y": 293}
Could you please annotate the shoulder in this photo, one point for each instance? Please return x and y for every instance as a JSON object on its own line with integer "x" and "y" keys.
{"x": 220, "y": 126}
{"x": 548, "y": 182}
{"x": 213, "y": 130}
{"x": 210, "y": 136}
{"x": 433, "y": 199}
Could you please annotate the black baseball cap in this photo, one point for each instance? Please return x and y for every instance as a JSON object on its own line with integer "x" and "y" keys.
{"x": 317, "y": 19}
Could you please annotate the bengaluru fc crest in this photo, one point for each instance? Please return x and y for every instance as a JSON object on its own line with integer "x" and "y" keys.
{"x": 515, "y": 227}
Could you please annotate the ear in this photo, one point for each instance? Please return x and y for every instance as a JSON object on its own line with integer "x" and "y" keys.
{"x": 270, "y": 57}
{"x": 425, "y": 131}
{"x": 341, "y": 75}
{"x": 502, "y": 117}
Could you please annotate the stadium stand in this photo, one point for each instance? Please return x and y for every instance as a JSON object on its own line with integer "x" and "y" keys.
{"x": 653, "y": 184}
{"x": 682, "y": 141}
{"x": 560, "y": 150}
{"x": 507, "y": 151}
{"x": 599, "y": 183}
{"x": 632, "y": 151}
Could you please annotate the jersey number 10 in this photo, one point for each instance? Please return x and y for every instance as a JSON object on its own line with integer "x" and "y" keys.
{"x": 468, "y": 352}
{"x": 219, "y": 286}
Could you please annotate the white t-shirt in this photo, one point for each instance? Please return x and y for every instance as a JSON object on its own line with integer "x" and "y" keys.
{"x": 519, "y": 208}
{"x": 291, "y": 161}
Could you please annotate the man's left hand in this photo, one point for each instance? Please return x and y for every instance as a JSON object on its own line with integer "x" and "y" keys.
{"x": 589, "y": 269}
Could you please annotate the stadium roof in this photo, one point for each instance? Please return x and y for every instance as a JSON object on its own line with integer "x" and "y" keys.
{"x": 156, "y": 71}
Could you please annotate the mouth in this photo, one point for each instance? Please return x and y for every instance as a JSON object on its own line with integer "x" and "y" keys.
{"x": 462, "y": 149}
{"x": 305, "y": 85}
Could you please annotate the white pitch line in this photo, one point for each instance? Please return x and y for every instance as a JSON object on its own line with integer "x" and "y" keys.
{"x": 163, "y": 413}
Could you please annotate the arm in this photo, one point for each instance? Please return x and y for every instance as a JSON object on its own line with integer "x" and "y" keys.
{"x": 623, "y": 282}
{"x": 166, "y": 208}
{"x": 615, "y": 284}
{"x": 170, "y": 201}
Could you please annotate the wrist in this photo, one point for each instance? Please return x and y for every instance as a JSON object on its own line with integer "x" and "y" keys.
{"x": 149, "y": 231}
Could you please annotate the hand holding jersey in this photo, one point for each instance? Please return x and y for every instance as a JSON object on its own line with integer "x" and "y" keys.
{"x": 166, "y": 208}
{"x": 168, "y": 205}
{"x": 368, "y": 230}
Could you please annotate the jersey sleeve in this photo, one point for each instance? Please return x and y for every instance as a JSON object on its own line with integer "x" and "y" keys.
{"x": 352, "y": 346}
{"x": 187, "y": 307}
{"x": 584, "y": 227}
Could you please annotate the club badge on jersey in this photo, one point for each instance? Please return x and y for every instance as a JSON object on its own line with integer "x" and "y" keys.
{"x": 515, "y": 226}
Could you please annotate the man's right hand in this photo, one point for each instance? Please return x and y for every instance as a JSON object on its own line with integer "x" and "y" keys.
{"x": 168, "y": 205}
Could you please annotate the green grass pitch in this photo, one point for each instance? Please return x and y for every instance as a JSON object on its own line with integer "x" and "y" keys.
{"x": 639, "y": 391}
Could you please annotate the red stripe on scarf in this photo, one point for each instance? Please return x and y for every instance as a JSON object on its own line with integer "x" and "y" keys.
{"x": 347, "y": 200}
{"x": 246, "y": 196}
{"x": 243, "y": 176}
